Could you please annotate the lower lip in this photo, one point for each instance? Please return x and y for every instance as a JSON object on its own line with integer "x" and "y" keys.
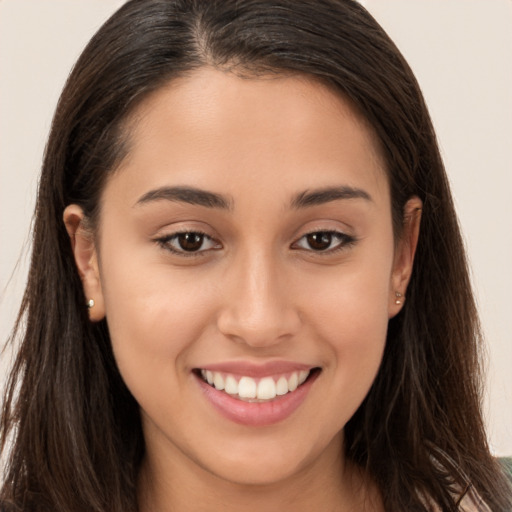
{"x": 256, "y": 414}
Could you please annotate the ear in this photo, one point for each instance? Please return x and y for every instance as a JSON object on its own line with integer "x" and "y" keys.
{"x": 404, "y": 255}
{"x": 86, "y": 259}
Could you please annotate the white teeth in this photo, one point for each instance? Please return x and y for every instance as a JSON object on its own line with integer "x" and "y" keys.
{"x": 247, "y": 387}
{"x": 266, "y": 389}
{"x": 303, "y": 375}
{"x": 293, "y": 381}
{"x": 231, "y": 385}
{"x": 282, "y": 386}
{"x": 218, "y": 381}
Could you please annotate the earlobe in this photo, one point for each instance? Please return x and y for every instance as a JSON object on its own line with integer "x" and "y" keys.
{"x": 86, "y": 260}
{"x": 404, "y": 255}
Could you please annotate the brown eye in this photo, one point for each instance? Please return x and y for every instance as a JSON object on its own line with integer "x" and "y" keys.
{"x": 190, "y": 241}
{"x": 324, "y": 241}
{"x": 319, "y": 241}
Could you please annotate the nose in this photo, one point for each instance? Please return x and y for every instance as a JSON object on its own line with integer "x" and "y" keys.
{"x": 258, "y": 307}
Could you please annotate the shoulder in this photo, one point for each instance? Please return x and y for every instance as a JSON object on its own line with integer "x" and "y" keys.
{"x": 506, "y": 462}
{"x": 471, "y": 500}
{"x": 463, "y": 492}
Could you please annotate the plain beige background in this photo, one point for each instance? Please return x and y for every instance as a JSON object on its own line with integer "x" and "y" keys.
{"x": 461, "y": 52}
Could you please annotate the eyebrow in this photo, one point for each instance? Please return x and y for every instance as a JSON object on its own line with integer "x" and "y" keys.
{"x": 188, "y": 195}
{"x": 328, "y": 194}
{"x": 196, "y": 196}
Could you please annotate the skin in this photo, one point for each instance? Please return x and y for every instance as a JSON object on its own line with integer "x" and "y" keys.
{"x": 258, "y": 292}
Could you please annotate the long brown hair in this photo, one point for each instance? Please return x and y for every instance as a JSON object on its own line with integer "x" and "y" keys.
{"x": 69, "y": 425}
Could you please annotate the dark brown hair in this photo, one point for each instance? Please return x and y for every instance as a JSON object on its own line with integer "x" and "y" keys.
{"x": 75, "y": 429}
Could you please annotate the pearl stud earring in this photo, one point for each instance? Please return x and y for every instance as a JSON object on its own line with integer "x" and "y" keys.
{"x": 90, "y": 303}
{"x": 398, "y": 300}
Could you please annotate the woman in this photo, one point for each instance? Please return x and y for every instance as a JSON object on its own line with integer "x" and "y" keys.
{"x": 248, "y": 288}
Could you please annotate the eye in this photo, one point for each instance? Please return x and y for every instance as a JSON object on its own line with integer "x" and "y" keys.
{"x": 323, "y": 241}
{"x": 188, "y": 242}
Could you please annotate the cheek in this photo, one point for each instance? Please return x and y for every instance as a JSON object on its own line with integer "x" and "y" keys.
{"x": 352, "y": 298}
{"x": 154, "y": 317}
{"x": 356, "y": 348}
{"x": 353, "y": 325}
{"x": 349, "y": 315}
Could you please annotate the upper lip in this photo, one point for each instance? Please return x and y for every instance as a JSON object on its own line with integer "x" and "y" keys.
{"x": 257, "y": 370}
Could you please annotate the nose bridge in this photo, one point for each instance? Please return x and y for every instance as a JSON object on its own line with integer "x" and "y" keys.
{"x": 258, "y": 308}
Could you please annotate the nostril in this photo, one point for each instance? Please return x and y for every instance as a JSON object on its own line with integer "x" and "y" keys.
{"x": 258, "y": 330}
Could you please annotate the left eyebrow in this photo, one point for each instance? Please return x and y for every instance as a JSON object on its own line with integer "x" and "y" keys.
{"x": 328, "y": 194}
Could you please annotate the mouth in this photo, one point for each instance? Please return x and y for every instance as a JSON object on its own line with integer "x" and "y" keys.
{"x": 256, "y": 390}
{"x": 256, "y": 396}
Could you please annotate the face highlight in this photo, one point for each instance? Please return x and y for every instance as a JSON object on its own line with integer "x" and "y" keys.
{"x": 247, "y": 271}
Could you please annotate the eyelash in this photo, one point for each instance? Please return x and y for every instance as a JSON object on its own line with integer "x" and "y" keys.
{"x": 166, "y": 241}
{"x": 344, "y": 241}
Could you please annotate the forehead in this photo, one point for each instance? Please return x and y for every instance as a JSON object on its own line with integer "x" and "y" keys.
{"x": 213, "y": 128}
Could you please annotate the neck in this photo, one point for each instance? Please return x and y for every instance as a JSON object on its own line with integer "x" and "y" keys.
{"x": 328, "y": 483}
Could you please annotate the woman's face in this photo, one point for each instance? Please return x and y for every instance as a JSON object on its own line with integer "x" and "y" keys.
{"x": 246, "y": 240}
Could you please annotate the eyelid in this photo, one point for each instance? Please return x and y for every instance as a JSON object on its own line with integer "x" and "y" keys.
{"x": 164, "y": 241}
{"x": 346, "y": 241}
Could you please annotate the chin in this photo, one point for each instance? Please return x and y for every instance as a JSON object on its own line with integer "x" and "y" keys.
{"x": 260, "y": 463}
{"x": 256, "y": 473}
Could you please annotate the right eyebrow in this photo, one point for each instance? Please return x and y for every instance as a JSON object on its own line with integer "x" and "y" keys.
{"x": 190, "y": 195}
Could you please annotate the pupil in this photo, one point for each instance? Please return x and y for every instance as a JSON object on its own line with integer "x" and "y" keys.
{"x": 319, "y": 241}
{"x": 190, "y": 241}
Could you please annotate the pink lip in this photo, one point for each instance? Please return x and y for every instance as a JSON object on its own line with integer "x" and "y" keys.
{"x": 256, "y": 414}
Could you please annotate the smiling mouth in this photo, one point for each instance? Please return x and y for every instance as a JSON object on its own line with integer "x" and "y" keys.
{"x": 249, "y": 389}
